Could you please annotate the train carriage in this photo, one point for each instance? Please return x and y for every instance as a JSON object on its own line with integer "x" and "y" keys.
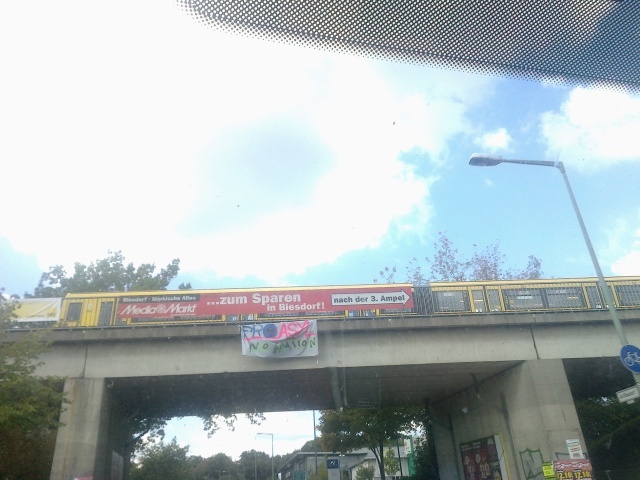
{"x": 85, "y": 310}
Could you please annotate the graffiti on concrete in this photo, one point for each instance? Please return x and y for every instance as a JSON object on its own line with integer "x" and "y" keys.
{"x": 532, "y": 464}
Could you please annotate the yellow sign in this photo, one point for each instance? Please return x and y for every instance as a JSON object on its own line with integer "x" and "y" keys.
{"x": 38, "y": 309}
{"x": 547, "y": 470}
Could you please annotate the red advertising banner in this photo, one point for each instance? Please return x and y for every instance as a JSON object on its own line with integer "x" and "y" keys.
{"x": 287, "y": 300}
{"x": 572, "y": 469}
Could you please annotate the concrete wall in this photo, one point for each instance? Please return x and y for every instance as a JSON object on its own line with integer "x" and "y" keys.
{"x": 81, "y": 444}
{"x": 530, "y": 406}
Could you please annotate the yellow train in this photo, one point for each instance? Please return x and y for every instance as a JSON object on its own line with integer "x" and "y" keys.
{"x": 275, "y": 304}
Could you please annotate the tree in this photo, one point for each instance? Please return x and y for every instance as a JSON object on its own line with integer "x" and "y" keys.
{"x": 160, "y": 461}
{"x": 322, "y": 474}
{"x": 7, "y": 308}
{"x": 449, "y": 265}
{"x": 257, "y": 465}
{"x": 29, "y": 406}
{"x": 218, "y": 467}
{"x": 365, "y": 472}
{"x": 111, "y": 274}
{"x": 611, "y": 432}
{"x": 611, "y": 429}
{"x": 349, "y": 429}
{"x": 425, "y": 459}
{"x": 106, "y": 275}
{"x": 391, "y": 462}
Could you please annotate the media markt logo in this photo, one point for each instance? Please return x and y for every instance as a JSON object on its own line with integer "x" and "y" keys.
{"x": 160, "y": 309}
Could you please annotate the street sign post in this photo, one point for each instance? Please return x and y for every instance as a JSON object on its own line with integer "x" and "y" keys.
{"x": 628, "y": 395}
{"x": 630, "y": 357}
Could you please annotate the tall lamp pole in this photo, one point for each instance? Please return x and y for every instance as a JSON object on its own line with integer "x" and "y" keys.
{"x": 272, "y": 469}
{"x": 481, "y": 160}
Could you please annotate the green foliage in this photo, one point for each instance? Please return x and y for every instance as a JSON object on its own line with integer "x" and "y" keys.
{"x": 26, "y": 402}
{"x": 611, "y": 430}
{"x": 29, "y": 406}
{"x": 346, "y": 430}
{"x": 391, "y": 462}
{"x": 160, "y": 461}
{"x": 323, "y": 471}
{"x": 26, "y": 454}
{"x": 7, "y": 311}
{"x": 449, "y": 265}
{"x": 256, "y": 465}
{"x": 106, "y": 275}
{"x": 213, "y": 423}
{"x": 218, "y": 467}
{"x": 310, "y": 446}
{"x": 425, "y": 461}
{"x": 365, "y": 472}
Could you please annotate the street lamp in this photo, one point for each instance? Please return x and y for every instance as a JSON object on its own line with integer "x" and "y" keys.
{"x": 272, "y": 469}
{"x": 481, "y": 160}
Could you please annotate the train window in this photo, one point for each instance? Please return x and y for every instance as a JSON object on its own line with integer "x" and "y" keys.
{"x": 493, "y": 295}
{"x": 104, "y": 317}
{"x": 628, "y": 295}
{"x": 333, "y": 313}
{"x": 522, "y": 299}
{"x": 73, "y": 312}
{"x": 451, "y": 301}
{"x": 593, "y": 295}
{"x": 478, "y": 301}
{"x": 362, "y": 313}
{"x": 565, "y": 297}
{"x": 423, "y": 304}
{"x": 394, "y": 311}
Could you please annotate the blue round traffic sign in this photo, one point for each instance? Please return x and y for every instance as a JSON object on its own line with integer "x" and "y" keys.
{"x": 630, "y": 357}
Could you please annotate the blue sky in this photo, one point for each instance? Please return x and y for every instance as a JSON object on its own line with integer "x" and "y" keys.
{"x": 129, "y": 126}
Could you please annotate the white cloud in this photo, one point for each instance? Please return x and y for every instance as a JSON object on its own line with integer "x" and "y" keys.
{"x": 498, "y": 139}
{"x": 290, "y": 431}
{"x": 145, "y": 141}
{"x": 623, "y": 245}
{"x": 594, "y": 128}
{"x": 629, "y": 264}
{"x": 627, "y": 247}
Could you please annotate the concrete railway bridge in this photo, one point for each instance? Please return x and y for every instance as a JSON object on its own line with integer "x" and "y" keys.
{"x": 480, "y": 375}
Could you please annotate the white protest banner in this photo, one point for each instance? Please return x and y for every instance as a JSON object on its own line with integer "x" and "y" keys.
{"x": 280, "y": 340}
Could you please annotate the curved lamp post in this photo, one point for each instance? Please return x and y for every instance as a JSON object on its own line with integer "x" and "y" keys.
{"x": 481, "y": 160}
{"x": 272, "y": 469}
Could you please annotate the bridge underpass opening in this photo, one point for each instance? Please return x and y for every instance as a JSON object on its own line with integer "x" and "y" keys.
{"x": 297, "y": 390}
{"x": 181, "y": 397}
{"x": 302, "y": 390}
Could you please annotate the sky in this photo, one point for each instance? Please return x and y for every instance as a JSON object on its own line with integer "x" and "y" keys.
{"x": 128, "y": 125}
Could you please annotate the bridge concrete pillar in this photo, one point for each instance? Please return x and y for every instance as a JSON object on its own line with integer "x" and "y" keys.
{"x": 81, "y": 444}
{"x": 529, "y": 407}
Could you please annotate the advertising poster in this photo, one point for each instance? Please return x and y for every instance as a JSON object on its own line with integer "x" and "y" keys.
{"x": 285, "y": 301}
{"x": 280, "y": 340}
{"x": 38, "y": 309}
{"x": 572, "y": 469}
{"x": 483, "y": 459}
{"x": 575, "y": 448}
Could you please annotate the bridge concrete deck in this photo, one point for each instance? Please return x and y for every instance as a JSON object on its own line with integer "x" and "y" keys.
{"x": 491, "y": 365}
{"x": 362, "y": 362}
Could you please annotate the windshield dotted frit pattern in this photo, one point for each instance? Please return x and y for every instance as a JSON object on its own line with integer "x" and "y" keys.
{"x": 591, "y": 43}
